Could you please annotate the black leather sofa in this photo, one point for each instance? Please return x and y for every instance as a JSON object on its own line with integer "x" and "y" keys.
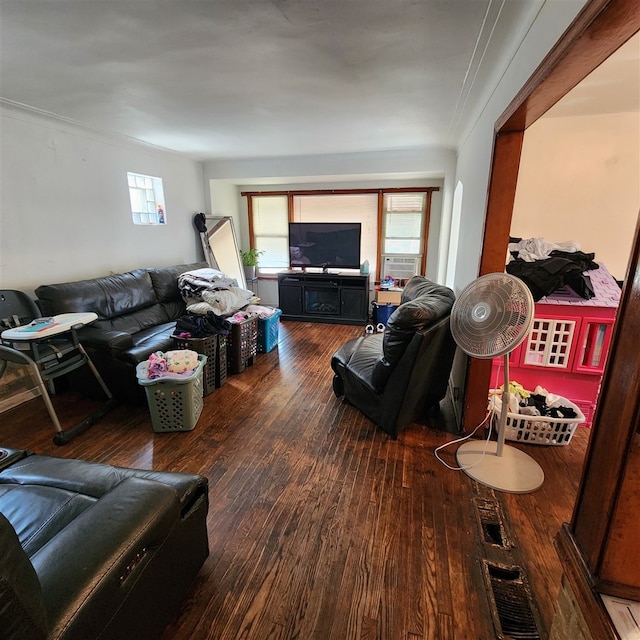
{"x": 137, "y": 313}
{"x": 398, "y": 376}
{"x": 91, "y": 551}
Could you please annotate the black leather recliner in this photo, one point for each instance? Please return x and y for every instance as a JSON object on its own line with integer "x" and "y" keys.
{"x": 398, "y": 376}
{"x": 90, "y": 550}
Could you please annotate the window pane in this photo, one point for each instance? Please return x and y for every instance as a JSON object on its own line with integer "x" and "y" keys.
{"x": 276, "y": 252}
{"x": 270, "y": 215}
{"x": 402, "y": 245}
{"x": 138, "y": 203}
{"x": 271, "y": 230}
{"x": 404, "y": 202}
{"x": 404, "y": 225}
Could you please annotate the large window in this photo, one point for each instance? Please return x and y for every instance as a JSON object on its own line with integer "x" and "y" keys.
{"x": 147, "y": 199}
{"x": 394, "y": 223}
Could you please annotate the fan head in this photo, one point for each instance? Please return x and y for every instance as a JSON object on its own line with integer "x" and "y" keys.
{"x": 492, "y": 315}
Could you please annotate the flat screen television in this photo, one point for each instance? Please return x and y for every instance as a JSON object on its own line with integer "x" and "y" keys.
{"x": 330, "y": 245}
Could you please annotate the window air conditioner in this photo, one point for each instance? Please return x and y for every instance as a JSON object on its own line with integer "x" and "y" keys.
{"x": 400, "y": 267}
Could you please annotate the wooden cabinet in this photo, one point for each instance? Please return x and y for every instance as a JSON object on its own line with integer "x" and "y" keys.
{"x": 323, "y": 297}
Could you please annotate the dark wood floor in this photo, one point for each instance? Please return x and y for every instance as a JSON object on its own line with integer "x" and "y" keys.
{"x": 320, "y": 526}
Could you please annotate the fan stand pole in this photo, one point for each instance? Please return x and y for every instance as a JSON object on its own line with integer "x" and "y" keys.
{"x": 497, "y": 466}
{"x": 506, "y": 397}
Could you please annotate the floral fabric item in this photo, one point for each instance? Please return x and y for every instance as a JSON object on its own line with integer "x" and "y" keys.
{"x": 180, "y": 361}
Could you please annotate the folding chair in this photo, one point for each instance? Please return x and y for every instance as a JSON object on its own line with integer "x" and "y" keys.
{"x": 46, "y": 356}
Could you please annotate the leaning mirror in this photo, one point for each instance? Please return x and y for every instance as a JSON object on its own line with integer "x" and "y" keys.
{"x": 222, "y": 241}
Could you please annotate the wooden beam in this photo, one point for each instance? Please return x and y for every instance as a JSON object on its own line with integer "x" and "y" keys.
{"x": 502, "y": 193}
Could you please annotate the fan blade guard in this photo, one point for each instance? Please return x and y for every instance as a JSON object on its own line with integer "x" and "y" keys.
{"x": 492, "y": 315}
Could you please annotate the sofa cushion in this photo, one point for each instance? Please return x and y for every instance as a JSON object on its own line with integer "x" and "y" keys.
{"x": 92, "y": 479}
{"x": 50, "y": 510}
{"x": 360, "y": 355}
{"x": 22, "y": 612}
{"x": 108, "y": 296}
{"x": 155, "y": 338}
{"x": 134, "y": 321}
{"x": 165, "y": 280}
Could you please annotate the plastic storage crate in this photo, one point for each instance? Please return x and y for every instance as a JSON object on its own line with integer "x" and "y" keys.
{"x": 209, "y": 347}
{"x": 543, "y": 430}
{"x": 175, "y": 403}
{"x": 221, "y": 361}
{"x": 268, "y": 332}
{"x": 242, "y": 344}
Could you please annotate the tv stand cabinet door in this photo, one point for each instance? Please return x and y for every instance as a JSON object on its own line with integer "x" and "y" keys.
{"x": 353, "y": 303}
{"x": 290, "y": 299}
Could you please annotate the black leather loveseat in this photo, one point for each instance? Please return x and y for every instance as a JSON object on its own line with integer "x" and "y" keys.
{"x": 397, "y": 376}
{"x": 91, "y": 551}
{"x": 137, "y": 313}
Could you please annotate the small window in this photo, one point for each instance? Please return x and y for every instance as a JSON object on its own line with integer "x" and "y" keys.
{"x": 403, "y": 223}
{"x": 147, "y": 199}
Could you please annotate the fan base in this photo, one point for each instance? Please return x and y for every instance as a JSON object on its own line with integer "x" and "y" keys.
{"x": 514, "y": 471}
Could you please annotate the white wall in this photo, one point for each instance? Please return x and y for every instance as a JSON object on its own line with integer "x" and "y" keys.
{"x": 476, "y": 143}
{"x": 579, "y": 180}
{"x": 224, "y": 200}
{"x": 400, "y": 168}
{"x": 64, "y": 203}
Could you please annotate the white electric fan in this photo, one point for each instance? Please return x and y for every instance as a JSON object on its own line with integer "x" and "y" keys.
{"x": 490, "y": 318}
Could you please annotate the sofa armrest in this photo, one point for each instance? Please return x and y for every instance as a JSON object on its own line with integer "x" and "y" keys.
{"x": 92, "y": 566}
{"x": 114, "y": 341}
{"x": 22, "y": 614}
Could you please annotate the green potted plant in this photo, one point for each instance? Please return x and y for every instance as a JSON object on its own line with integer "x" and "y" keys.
{"x": 250, "y": 262}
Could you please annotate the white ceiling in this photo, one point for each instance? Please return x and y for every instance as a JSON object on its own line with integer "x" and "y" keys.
{"x": 255, "y": 78}
{"x": 250, "y": 78}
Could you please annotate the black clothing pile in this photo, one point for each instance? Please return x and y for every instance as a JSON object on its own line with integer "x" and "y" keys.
{"x": 561, "y": 268}
{"x": 193, "y": 325}
{"x": 539, "y": 402}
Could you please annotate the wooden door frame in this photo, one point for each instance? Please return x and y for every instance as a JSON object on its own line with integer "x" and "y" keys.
{"x": 599, "y": 30}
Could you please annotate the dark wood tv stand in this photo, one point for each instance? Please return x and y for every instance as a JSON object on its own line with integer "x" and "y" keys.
{"x": 324, "y": 297}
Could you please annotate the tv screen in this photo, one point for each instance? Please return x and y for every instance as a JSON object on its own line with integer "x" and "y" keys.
{"x": 325, "y": 244}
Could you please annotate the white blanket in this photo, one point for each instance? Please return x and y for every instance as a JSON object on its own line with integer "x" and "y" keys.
{"x": 532, "y": 249}
{"x": 222, "y": 302}
{"x": 193, "y": 283}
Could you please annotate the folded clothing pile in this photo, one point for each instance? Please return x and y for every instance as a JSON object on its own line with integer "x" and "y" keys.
{"x": 206, "y": 289}
{"x": 261, "y": 311}
{"x": 538, "y": 402}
